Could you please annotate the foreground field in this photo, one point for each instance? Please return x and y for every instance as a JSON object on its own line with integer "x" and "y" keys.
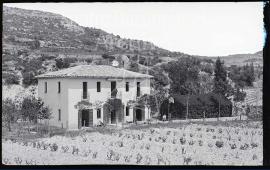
{"x": 190, "y": 144}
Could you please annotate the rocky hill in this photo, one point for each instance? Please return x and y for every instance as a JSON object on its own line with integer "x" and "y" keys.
{"x": 31, "y": 34}
{"x": 242, "y": 59}
{"x": 47, "y": 32}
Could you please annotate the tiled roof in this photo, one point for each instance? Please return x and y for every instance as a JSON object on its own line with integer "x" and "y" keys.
{"x": 94, "y": 71}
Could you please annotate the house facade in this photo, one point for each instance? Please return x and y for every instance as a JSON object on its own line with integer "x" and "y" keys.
{"x": 84, "y": 96}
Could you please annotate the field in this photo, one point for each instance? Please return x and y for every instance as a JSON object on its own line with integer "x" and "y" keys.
{"x": 212, "y": 143}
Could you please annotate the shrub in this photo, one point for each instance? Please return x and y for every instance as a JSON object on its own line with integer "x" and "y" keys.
{"x": 75, "y": 150}
{"x": 147, "y": 160}
{"x": 138, "y": 158}
{"x": 210, "y": 145}
{"x": 54, "y": 147}
{"x": 119, "y": 144}
{"x": 64, "y": 63}
{"x": 191, "y": 142}
{"x": 94, "y": 156}
{"x": 187, "y": 160}
{"x": 254, "y": 157}
{"x": 89, "y": 60}
{"x": 244, "y": 147}
{"x": 182, "y": 140}
{"x": 200, "y": 143}
{"x": 29, "y": 79}
{"x": 18, "y": 160}
{"x": 10, "y": 112}
{"x": 64, "y": 148}
{"x": 147, "y": 146}
{"x": 12, "y": 79}
{"x": 219, "y": 144}
{"x": 34, "y": 109}
{"x": 233, "y": 146}
{"x": 160, "y": 160}
{"x": 198, "y": 104}
{"x": 127, "y": 158}
{"x": 254, "y": 145}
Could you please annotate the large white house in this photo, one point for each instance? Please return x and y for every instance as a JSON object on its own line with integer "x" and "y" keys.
{"x": 83, "y": 96}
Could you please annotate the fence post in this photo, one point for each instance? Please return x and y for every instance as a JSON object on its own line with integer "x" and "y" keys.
{"x": 187, "y": 108}
{"x": 204, "y": 116}
{"x": 218, "y": 109}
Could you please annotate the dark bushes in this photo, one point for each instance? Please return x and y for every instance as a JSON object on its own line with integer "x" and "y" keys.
{"x": 12, "y": 79}
{"x": 197, "y": 106}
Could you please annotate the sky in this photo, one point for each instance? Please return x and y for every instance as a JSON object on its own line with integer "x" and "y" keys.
{"x": 206, "y": 29}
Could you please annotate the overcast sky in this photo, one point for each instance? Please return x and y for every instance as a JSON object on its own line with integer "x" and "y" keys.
{"x": 195, "y": 28}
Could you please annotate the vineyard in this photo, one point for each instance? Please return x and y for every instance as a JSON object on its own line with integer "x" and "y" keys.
{"x": 254, "y": 96}
{"x": 189, "y": 144}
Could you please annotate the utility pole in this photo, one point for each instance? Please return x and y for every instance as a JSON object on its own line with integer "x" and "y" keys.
{"x": 218, "y": 108}
{"x": 257, "y": 100}
{"x": 187, "y": 107}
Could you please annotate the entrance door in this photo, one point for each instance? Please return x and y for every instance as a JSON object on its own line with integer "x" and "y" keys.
{"x": 113, "y": 89}
{"x": 113, "y": 117}
{"x": 138, "y": 114}
{"x": 85, "y": 118}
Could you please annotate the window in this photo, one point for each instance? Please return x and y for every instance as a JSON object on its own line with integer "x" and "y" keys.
{"x": 98, "y": 113}
{"x": 98, "y": 86}
{"x": 127, "y": 111}
{"x": 59, "y": 87}
{"x": 127, "y": 86}
{"x": 138, "y": 89}
{"x": 45, "y": 89}
{"x": 113, "y": 89}
{"x": 59, "y": 114}
{"x": 84, "y": 90}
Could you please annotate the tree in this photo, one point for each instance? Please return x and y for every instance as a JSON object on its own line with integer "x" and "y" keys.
{"x": 159, "y": 88}
{"x": 184, "y": 75}
{"x": 208, "y": 68}
{"x": 158, "y": 96}
{"x": 31, "y": 68}
{"x": 9, "y": 112}
{"x": 134, "y": 66}
{"x": 60, "y": 63}
{"x": 34, "y": 109}
{"x": 221, "y": 84}
{"x": 12, "y": 79}
{"x": 250, "y": 75}
{"x": 242, "y": 76}
{"x": 239, "y": 96}
{"x": 29, "y": 78}
{"x": 206, "y": 83}
{"x": 35, "y": 44}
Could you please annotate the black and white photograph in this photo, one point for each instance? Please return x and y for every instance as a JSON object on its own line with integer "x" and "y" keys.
{"x": 125, "y": 83}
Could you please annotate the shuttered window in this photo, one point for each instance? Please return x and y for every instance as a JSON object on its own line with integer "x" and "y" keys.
{"x": 59, "y": 87}
{"x": 84, "y": 90}
{"x": 98, "y": 87}
{"x": 98, "y": 113}
{"x": 127, "y": 111}
{"x": 59, "y": 114}
{"x": 45, "y": 87}
{"x": 127, "y": 86}
{"x": 138, "y": 89}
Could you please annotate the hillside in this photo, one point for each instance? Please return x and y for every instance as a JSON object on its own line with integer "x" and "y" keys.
{"x": 38, "y": 32}
{"x": 31, "y": 34}
{"x": 52, "y": 33}
{"x": 242, "y": 59}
